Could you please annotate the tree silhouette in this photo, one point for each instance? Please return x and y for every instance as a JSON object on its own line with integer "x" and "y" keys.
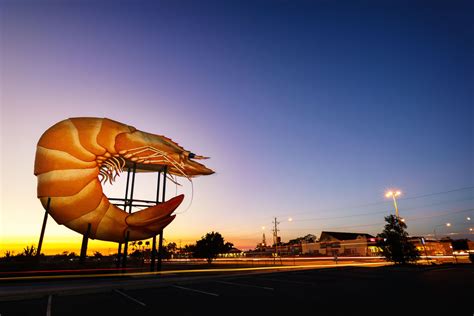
{"x": 395, "y": 244}
{"x": 172, "y": 247}
{"x": 29, "y": 251}
{"x": 210, "y": 246}
{"x": 98, "y": 255}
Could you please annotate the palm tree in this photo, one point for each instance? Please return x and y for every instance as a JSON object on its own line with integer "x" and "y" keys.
{"x": 29, "y": 251}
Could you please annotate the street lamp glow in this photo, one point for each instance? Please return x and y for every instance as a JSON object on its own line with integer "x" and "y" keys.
{"x": 392, "y": 194}
{"x": 448, "y": 224}
{"x": 468, "y": 218}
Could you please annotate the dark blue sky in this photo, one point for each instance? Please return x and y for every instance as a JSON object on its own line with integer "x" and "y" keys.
{"x": 304, "y": 106}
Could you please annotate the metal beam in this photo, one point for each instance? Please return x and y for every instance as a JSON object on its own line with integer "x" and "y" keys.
{"x": 153, "y": 247}
{"x": 160, "y": 251}
{"x": 163, "y": 197}
{"x": 119, "y": 254}
{"x": 125, "y": 249}
{"x": 160, "y": 242}
{"x": 153, "y": 254}
{"x": 132, "y": 187}
{"x": 43, "y": 228}
{"x": 85, "y": 240}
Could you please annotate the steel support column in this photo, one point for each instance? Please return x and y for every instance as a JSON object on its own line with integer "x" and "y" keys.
{"x": 125, "y": 249}
{"x": 153, "y": 247}
{"x": 160, "y": 242}
{"x": 160, "y": 251}
{"x": 85, "y": 241}
{"x": 132, "y": 188}
{"x": 119, "y": 252}
{"x": 43, "y": 228}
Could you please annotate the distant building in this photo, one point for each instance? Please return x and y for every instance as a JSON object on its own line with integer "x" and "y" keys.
{"x": 233, "y": 253}
{"x": 430, "y": 247}
{"x": 342, "y": 243}
{"x": 306, "y": 239}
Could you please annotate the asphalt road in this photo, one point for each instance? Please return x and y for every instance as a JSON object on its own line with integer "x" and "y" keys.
{"x": 444, "y": 290}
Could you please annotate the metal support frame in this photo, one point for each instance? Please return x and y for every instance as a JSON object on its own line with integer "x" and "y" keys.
{"x": 129, "y": 202}
{"x": 119, "y": 251}
{"x": 153, "y": 245}
{"x": 125, "y": 249}
{"x": 127, "y": 206}
{"x": 160, "y": 251}
{"x": 85, "y": 241}
{"x": 160, "y": 243}
{"x": 43, "y": 228}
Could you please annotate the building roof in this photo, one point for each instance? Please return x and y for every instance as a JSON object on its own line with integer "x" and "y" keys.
{"x": 342, "y": 235}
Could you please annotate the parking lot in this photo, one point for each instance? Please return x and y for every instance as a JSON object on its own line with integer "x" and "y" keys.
{"x": 360, "y": 289}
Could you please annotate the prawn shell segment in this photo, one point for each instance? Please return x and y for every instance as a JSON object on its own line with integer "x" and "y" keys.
{"x": 94, "y": 217}
{"x": 47, "y": 160}
{"x": 66, "y": 208}
{"x": 64, "y": 136}
{"x": 88, "y": 128}
{"x": 108, "y": 133}
{"x": 65, "y": 183}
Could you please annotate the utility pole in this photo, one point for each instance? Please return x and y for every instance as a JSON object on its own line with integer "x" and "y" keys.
{"x": 275, "y": 236}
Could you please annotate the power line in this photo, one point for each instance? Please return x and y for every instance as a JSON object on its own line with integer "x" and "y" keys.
{"x": 381, "y": 223}
{"x": 437, "y": 193}
{"x": 379, "y": 212}
{"x": 387, "y": 202}
{"x": 381, "y": 202}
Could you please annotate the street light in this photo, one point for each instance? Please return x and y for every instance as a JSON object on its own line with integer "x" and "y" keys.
{"x": 394, "y": 194}
{"x": 434, "y": 229}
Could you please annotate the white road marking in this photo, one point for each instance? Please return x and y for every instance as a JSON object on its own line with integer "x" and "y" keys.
{"x": 247, "y": 285}
{"x": 288, "y": 281}
{"x": 48, "y": 307}
{"x": 194, "y": 290}
{"x": 130, "y": 298}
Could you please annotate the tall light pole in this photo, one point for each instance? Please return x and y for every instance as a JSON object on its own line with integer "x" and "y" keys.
{"x": 393, "y": 195}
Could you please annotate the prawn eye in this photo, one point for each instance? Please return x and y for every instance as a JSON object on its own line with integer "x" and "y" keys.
{"x": 191, "y": 155}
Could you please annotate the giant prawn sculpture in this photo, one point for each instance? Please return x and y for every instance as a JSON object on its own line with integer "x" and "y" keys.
{"x": 74, "y": 156}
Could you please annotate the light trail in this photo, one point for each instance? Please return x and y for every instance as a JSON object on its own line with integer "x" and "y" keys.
{"x": 67, "y": 270}
{"x": 138, "y": 274}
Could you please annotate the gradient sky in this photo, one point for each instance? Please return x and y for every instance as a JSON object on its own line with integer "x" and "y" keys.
{"x": 309, "y": 109}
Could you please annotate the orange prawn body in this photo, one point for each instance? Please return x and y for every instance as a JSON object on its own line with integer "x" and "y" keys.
{"x": 75, "y": 155}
